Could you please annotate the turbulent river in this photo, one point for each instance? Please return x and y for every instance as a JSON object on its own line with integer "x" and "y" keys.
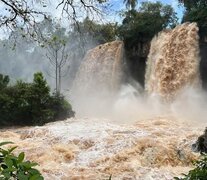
{"x": 91, "y": 149}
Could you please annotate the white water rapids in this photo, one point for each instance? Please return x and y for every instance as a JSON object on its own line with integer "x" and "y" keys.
{"x": 158, "y": 148}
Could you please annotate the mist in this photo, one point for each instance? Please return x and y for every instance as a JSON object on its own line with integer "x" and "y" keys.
{"x": 22, "y": 56}
{"x": 170, "y": 91}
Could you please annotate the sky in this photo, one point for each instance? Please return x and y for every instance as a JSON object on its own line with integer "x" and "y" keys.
{"x": 118, "y": 5}
{"x": 115, "y": 6}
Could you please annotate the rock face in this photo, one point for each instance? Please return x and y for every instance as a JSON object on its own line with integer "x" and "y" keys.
{"x": 173, "y": 61}
{"x": 203, "y": 65}
{"x": 101, "y": 69}
{"x": 201, "y": 143}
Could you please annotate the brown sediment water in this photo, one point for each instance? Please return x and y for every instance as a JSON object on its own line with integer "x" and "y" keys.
{"x": 101, "y": 69}
{"x": 98, "y": 79}
{"x": 158, "y": 148}
{"x": 173, "y": 61}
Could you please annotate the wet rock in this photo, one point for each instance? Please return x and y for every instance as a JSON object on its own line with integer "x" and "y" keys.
{"x": 201, "y": 143}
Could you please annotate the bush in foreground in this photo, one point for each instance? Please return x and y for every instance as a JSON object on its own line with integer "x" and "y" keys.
{"x": 31, "y": 103}
{"x": 14, "y": 167}
{"x": 199, "y": 172}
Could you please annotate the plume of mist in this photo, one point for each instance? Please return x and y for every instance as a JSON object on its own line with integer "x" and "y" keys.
{"x": 22, "y": 57}
{"x": 169, "y": 90}
{"x": 131, "y": 104}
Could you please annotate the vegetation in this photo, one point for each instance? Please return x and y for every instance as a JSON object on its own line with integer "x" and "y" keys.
{"x": 199, "y": 172}
{"x": 138, "y": 27}
{"x": 196, "y": 11}
{"x": 130, "y": 4}
{"x": 25, "y": 13}
{"x": 56, "y": 53}
{"x": 95, "y": 33}
{"x": 15, "y": 167}
{"x": 31, "y": 103}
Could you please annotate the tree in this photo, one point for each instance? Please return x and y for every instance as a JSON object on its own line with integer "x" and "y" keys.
{"x": 138, "y": 27}
{"x": 191, "y": 4}
{"x": 58, "y": 57}
{"x": 97, "y": 33}
{"x": 196, "y": 11}
{"x": 25, "y": 13}
{"x": 131, "y": 4}
{"x": 15, "y": 12}
{"x": 32, "y": 104}
{"x": 37, "y": 95}
{"x": 54, "y": 40}
{"x": 4, "y": 81}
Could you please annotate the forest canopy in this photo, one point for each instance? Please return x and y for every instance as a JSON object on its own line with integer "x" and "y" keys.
{"x": 196, "y": 11}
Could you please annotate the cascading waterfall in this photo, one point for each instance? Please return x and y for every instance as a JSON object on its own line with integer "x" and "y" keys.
{"x": 173, "y": 61}
{"x": 98, "y": 79}
{"x": 101, "y": 69}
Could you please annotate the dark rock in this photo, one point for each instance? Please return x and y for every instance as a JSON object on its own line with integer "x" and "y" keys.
{"x": 203, "y": 63}
{"x": 201, "y": 143}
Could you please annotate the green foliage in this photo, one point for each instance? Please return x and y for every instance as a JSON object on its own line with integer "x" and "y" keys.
{"x": 191, "y": 4}
{"x": 99, "y": 33}
{"x": 15, "y": 167}
{"x": 138, "y": 27}
{"x": 31, "y": 104}
{"x": 196, "y": 11}
{"x": 200, "y": 171}
{"x": 57, "y": 40}
{"x": 4, "y": 81}
{"x": 131, "y": 4}
{"x": 60, "y": 107}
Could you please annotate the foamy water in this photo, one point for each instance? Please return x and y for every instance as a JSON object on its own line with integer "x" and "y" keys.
{"x": 173, "y": 61}
{"x": 101, "y": 70}
{"x": 157, "y": 148}
{"x": 98, "y": 80}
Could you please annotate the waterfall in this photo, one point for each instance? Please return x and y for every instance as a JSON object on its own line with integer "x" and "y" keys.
{"x": 98, "y": 78}
{"x": 101, "y": 69}
{"x": 173, "y": 61}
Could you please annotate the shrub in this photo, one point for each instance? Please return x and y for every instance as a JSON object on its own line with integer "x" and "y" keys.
{"x": 31, "y": 103}
{"x": 61, "y": 108}
{"x": 4, "y": 80}
{"x": 14, "y": 167}
{"x": 200, "y": 171}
